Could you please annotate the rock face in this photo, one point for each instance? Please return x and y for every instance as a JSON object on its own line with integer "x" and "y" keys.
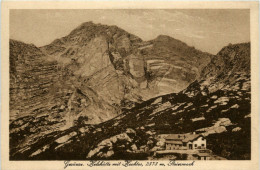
{"x": 109, "y": 59}
{"x": 217, "y": 105}
{"x": 31, "y": 80}
{"x": 96, "y": 72}
{"x": 96, "y": 54}
{"x": 230, "y": 66}
{"x": 38, "y": 84}
{"x": 172, "y": 65}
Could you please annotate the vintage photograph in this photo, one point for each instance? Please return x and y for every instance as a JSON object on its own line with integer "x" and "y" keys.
{"x": 129, "y": 84}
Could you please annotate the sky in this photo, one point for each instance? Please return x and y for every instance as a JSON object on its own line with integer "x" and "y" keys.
{"x": 206, "y": 29}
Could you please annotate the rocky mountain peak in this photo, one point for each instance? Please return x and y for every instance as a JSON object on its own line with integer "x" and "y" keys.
{"x": 117, "y": 68}
{"x": 166, "y": 38}
{"x": 90, "y": 30}
{"x": 230, "y": 59}
{"x": 238, "y": 55}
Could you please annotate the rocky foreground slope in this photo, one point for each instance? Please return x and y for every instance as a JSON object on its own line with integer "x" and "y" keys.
{"x": 218, "y": 105}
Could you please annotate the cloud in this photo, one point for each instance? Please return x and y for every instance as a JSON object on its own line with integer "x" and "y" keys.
{"x": 194, "y": 36}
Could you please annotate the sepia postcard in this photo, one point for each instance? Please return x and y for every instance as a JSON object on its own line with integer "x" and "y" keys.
{"x": 135, "y": 85}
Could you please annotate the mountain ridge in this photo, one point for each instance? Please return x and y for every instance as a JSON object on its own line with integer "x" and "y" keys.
{"x": 221, "y": 113}
{"x": 144, "y": 69}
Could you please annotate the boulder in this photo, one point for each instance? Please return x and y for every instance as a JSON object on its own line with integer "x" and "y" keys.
{"x": 84, "y": 130}
{"x": 130, "y": 131}
{"x": 158, "y": 100}
{"x": 198, "y": 118}
{"x": 220, "y": 129}
{"x": 235, "y": 106}
{"x": 150, "y": 133}
{"x": 214, "y": 97}
{"x": 225, "y": 122}
{"x": 109, "y": 153}
{"x": 106, "y": 142}
{"x": 134, "y": 147}
{"x": 236, "y": 129}
{"x": 66, "y": 137}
